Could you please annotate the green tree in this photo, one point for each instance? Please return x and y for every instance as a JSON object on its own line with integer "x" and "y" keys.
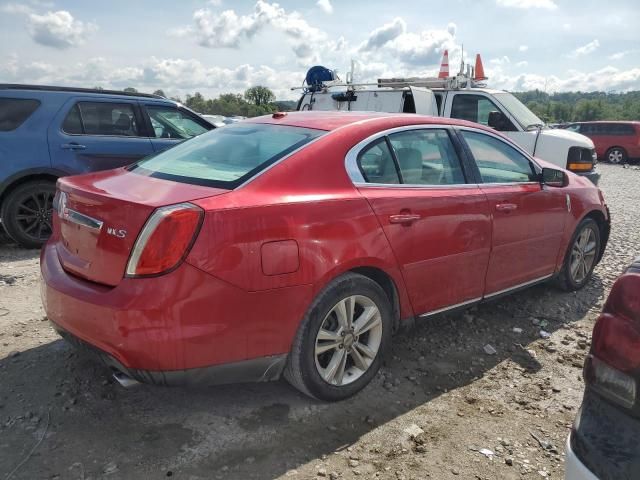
{"x": 259, "y": 95}
{"x": 160, "y": 93}
{"x": 131, "y": 90}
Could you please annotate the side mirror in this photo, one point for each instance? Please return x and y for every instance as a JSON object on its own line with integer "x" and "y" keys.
{"x": 497, "y": 120}
{"x": 554, "y": 178}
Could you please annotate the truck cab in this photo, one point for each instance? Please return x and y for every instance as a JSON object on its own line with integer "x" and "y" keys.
{"x": 503, "y": 112}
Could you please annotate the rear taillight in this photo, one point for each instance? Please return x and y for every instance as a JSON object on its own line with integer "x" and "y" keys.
{"x": 165, "y": 240}
{"x": 613, "y": 366}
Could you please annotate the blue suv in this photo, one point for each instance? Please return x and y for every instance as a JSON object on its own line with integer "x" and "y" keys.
{"x": 50, "y": 132}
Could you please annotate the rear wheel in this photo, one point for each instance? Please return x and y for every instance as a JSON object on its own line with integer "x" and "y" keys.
{"x": 342, "y": 339}
{"x": 26, "y": 213}
{"x": 581, "y": 257}
{"x": 616, "y": 155}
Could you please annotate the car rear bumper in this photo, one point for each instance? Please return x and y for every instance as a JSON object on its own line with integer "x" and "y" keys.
{"x": 173, "y": 329}
{"x": 574, "y": 469}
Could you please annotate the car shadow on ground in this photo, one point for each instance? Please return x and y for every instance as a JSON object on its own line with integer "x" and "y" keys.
{"x": 253, "y": 430}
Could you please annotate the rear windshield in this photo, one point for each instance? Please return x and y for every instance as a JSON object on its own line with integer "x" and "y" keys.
{"x": 227, "y": 156}
{"x": 14, "y": 111}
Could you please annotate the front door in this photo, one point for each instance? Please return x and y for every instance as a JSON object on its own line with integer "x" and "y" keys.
{"x": 437, "y": 224}
{"x": 89, "y": 135}
{"x": 528, "y": 218}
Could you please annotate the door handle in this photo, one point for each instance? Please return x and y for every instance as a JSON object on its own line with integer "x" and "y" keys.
{"x": 72, "y": 146}
{"x": 506, "y": 207}
{"x": 404, "y": 218}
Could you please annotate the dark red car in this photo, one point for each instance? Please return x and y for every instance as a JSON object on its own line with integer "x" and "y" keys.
{"x": 615, "y": 142}
{"x": 605, "y": 441}
{"x": 298, "y": 243}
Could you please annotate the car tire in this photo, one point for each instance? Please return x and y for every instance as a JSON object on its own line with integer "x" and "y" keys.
{"x": 334, "y": 355}
{"x": 616, "y": 155}
{"x": 581, "y": 257}
{"x": 26, "y": 213}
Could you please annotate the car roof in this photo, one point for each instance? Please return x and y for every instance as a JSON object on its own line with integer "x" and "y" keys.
{"x": 608, "y": 121}
{"x": 84, "y": 91}
{"x": 332, "y": 120}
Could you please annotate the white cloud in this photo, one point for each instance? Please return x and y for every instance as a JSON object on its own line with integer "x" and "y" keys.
{"x": 500, "y": 61}
{"x": 567, "y": 26}
{"x": 325, "y": 6}
{"x": 585, "y": 49}
{"x": 227, "y": 29}
{"x": 522, "y": 64}
{"x": 384, "y": 34}
{"x": 56, "y": 29}
{"x": 621, "y": 55}
{"x": 215, "y": 3}
{"x": 523, "y": 48}
{"x": 548, "y": 4}
{"x": 16, "y": 8}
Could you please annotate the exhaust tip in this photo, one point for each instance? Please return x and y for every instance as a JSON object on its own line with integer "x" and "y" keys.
{"x": 124, "y": 380}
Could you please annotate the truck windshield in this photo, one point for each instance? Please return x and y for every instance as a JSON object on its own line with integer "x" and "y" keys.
{"x": 525, "y": 117}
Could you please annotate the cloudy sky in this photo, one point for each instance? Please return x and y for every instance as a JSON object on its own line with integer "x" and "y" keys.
{"x": 219, "y": 46}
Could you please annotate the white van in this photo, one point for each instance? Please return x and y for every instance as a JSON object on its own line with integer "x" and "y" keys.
{"x": 461, "y": 97}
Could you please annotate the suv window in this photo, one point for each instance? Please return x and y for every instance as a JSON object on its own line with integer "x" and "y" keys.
{"x": 168, "y": 122}
{"x": 426, "y": 157}
{"x": 376, "y": 163}
{"x": 101, "y": 118}
{"x": 14, "y": 112}
{"x": 475, "y": 108}
{"x": 497, "y": 161}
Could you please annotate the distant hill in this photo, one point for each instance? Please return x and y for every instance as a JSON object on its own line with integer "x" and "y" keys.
{"x": 582, "y": 106}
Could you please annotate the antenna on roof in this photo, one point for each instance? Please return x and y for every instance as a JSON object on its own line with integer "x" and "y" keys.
{"x": 461, "y": 72}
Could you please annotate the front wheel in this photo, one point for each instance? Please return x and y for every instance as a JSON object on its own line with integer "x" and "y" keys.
{"x": 26, "y": 213}
{"x": 581, "y": 257}
{"x": 616, "y": 155}
{"x": 342, "y": 340}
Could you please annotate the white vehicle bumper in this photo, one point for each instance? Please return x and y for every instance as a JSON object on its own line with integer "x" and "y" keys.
{"x": 574, "y": 469}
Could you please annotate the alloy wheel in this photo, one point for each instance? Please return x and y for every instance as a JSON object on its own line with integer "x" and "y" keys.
{"x": 348, "y": 340}
{"x": 33, "y": 215}
{"x": 583, "y": 255}
{"x": 616, "y": 156}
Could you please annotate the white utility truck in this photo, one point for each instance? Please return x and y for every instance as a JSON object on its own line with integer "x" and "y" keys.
{"x": 464, "y": 96}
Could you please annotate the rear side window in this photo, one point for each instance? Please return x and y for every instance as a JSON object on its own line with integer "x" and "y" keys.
{"x": 14, "y": 112}
{"x": 101, "y": 118}
{"x": 226, "y": 157}
{"x": 426, "y": 157}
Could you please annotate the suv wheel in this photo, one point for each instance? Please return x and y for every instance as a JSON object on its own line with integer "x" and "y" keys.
{"x": 26, "y": 213}
{"x": 342, "y": 340}
{"x": 616, "y": 155}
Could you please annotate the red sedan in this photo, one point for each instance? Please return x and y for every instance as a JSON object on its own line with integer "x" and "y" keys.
{"x": 297, "y": 243}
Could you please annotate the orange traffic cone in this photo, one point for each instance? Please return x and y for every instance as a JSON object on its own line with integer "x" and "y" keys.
{"x": 444, "y": 66}
{"x": 479, "y": 70}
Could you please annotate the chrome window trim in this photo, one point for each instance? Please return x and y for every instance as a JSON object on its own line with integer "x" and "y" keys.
{"x": 415, "y": 185}
{"x": 351, "y": 159}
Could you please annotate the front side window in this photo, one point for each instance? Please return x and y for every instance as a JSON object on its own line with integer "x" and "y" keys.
{"x": 226, "y": 157}
{"x": 476, "y": 108}
{"x": 376, "y": 163}
{"x": 168, "y": 122}
{"x": 15, "y": 111}
{"x": 497, "y": 161}
{"x": 426, "y": 157}
{"x": 101, "y": 118}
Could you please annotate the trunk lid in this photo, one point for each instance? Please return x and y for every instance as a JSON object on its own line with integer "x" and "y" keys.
{"x": 103, "y": 215}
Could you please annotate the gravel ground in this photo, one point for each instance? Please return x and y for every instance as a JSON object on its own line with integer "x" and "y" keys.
{"x": 442, "y": 408}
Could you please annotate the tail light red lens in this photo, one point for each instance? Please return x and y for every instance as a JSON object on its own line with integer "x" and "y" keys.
{"x": 617, "y": 341}
{"x": 165, "y": 240}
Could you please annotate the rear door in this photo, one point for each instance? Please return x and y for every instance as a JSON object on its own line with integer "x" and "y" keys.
{"x": 528, "y": 218}
{"x": 170, "y": 124}
{"x": 437, "y": 224}
{"x": 91, "y": 134}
